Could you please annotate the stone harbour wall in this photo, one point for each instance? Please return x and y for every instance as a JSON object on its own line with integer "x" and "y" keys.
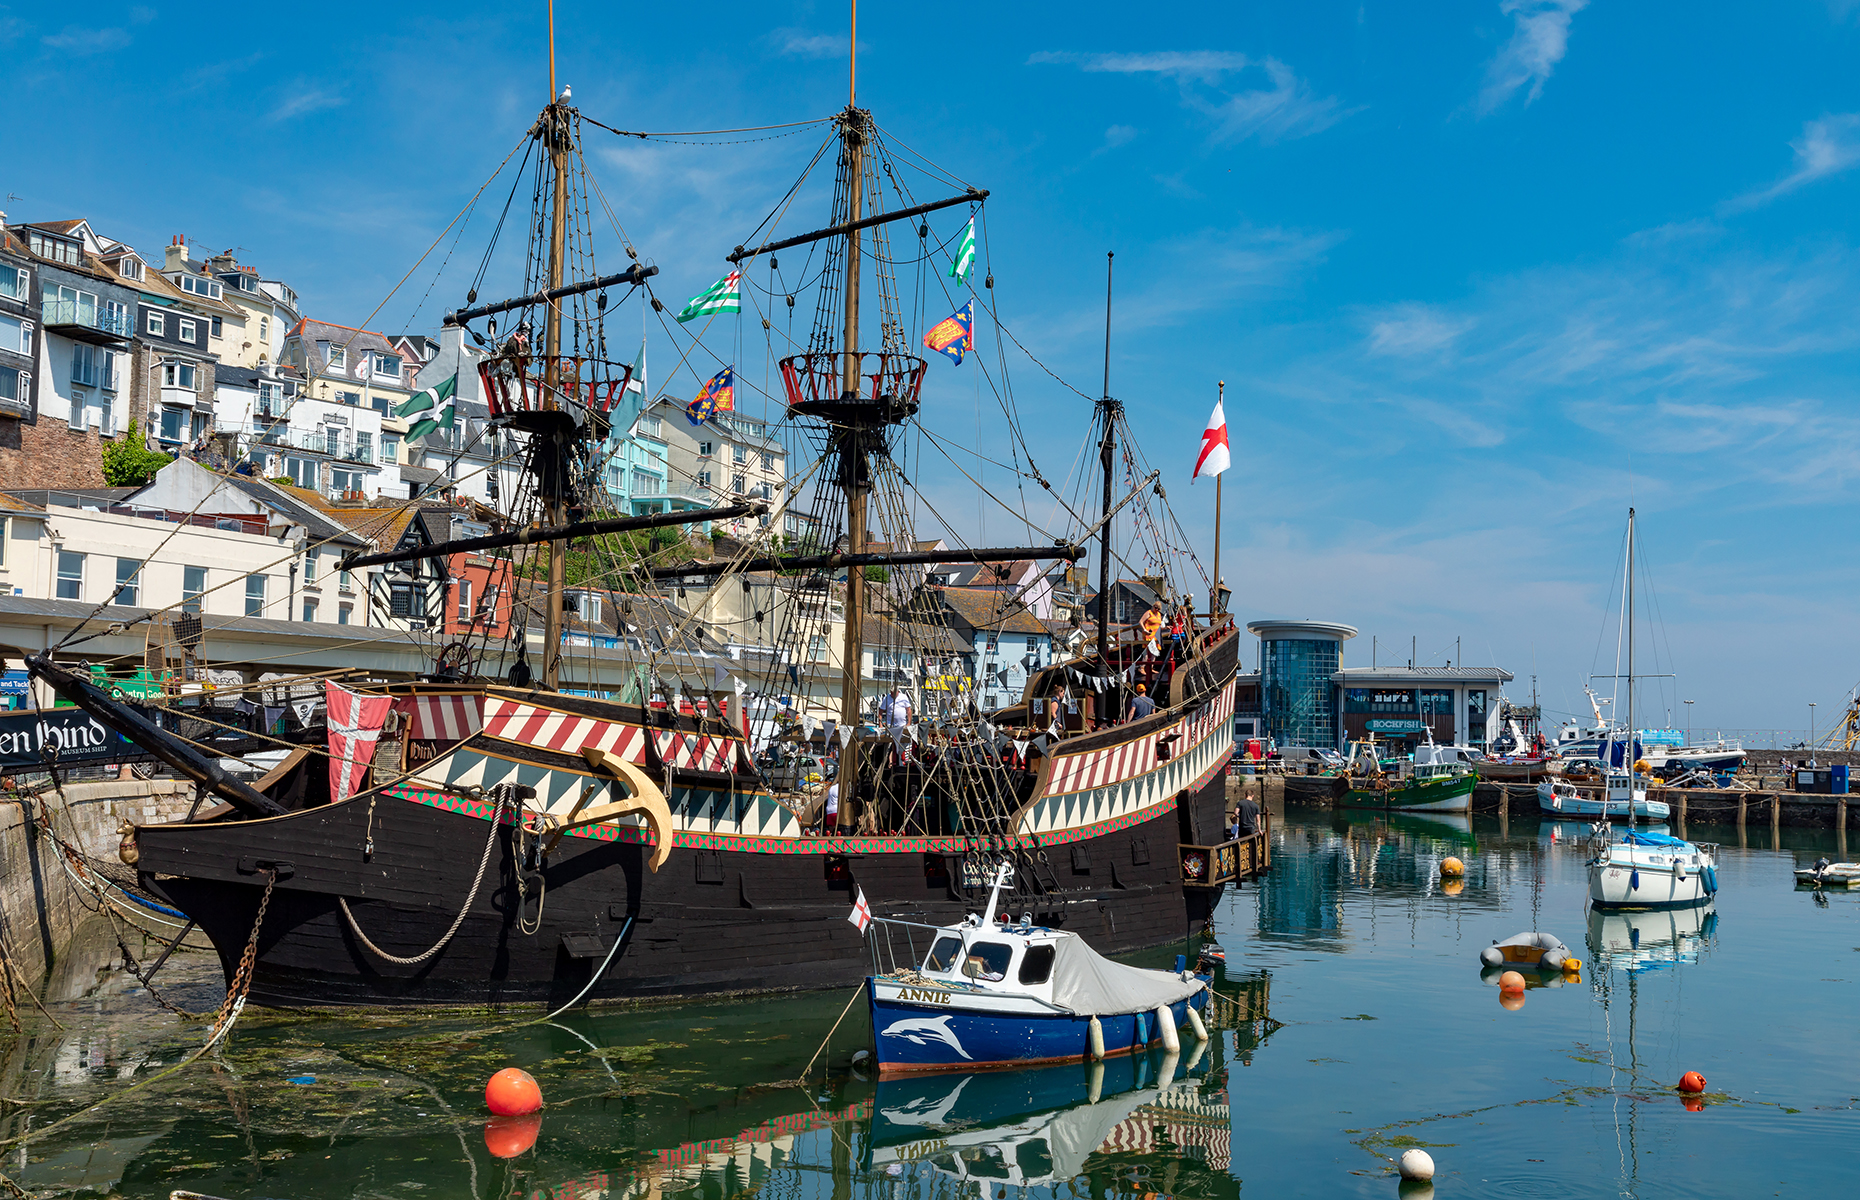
{"x": 40, "y": 906}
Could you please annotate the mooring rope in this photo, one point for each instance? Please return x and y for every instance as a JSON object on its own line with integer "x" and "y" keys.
{"x": 490, "y": 841}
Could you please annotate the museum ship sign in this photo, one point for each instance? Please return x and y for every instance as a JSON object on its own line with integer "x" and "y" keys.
{"x": 31, "y": 741}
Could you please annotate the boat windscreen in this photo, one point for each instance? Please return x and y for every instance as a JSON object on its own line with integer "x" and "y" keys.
{"x": 943, "y": 955}
{"x": 990, "y": 960}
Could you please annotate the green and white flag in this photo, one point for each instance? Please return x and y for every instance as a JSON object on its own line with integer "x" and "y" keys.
{"x": 965, "y": 255}
{"x": 720, "y": 297}
{"x": 436, "y": 401}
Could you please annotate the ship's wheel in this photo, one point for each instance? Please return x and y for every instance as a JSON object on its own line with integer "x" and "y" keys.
{"x": 458, "y": 659}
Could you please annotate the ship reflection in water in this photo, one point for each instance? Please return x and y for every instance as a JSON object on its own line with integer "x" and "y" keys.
{"x": 1133, "y": 1125}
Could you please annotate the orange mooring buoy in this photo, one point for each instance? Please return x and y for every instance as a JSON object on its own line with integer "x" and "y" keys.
{"x": 512, "y": 1093}
{"x": 1511, "y": 981}
{"x": 507, "y": 1137}
{"x": 1691, "y": 1081}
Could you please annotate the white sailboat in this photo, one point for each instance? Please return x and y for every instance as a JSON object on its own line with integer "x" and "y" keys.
{"x": 1644, "y": 869}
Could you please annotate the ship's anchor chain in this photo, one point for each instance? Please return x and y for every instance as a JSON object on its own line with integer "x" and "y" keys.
{"x": 242, "y": 977}
{"x": 502, "y": 792}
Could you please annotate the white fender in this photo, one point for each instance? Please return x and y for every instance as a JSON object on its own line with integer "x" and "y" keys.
{"x": 1165, "y": 1025}
{"x": 1195, "y": 1023}
{"x": 1094, "y": 1040}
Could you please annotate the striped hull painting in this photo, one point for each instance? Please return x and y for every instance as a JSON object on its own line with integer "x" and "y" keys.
{"x": 445, "y": 718}
{"x": 568, "y": 733}
{"x": 1121, "y": 782}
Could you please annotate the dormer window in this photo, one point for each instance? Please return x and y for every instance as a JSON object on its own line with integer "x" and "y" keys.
{"x": 57, "y": 249}
{"x": 129, "y": 267}
{"x": 247, "y": 283}
{"x": 337, "y": 356}
{"x": 196, "y": 286}
{"x": 387, "y": 365}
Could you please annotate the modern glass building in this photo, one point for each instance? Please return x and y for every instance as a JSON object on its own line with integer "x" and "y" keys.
{"x": 1297, "y": 660}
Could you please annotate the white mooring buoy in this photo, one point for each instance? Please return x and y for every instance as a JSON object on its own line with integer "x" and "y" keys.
{"x": 1416, "y": 1164}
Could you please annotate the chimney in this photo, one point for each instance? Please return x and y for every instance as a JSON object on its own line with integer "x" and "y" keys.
{"x": 177, "y": 253}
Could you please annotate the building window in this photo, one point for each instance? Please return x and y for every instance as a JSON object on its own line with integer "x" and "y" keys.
{"x": 771, "y": 462}
{"x": 390, "y": 448}
{"x": 14, "y": 283}
{"x": 344, "y": 582}
{"x": 15, "y": 384}
{"x": 464, "y": 599}
{"x": 84, "y": 363}
{"x": 70, "y": 575}
{"x": 650, "y": 426}
{"x": 364, "y": 446}
{"x": 57, "y": 249}
{"x": 254, "y": 595}
{"x": 704, "y": 449}
{"x": 737, "y": 484}
{"x": 201, "y": 287}
{"x": 158, "y": 324}
{"x": 487, "y": 607}
{"x": 130, "y": 267}
{"x": 302, "y": 472}
{"x": 178, "y": 375}
{"x": 347, "y": 481}
{"x": 400, "y": 599}
{"x": 127, "y": 572}
{"x": 185, "y": 329}
{"x": 218, "y": 328}
{"x": 106, "y": 414}
{"x": 738, "y": 454}
{"x": 173, "y": 421}
{"x": 79, "y": 400}
{"x": 270, "y": 399}
{"x": 352, "y": 399}
{"x": 817, "y": 648}
{"x": 264, "y": 331}
{"x": 15, "y": 335}
{"x": 588, "y": 607}
{"x": 309, "y": 608}
{"x": 310, "y": 566}
{"x": 193, "y": 583}
{"x": 646, "y": 484}
{"x": 337, "y": 356}
{"x": 387, "y": 366}
{"x": 703, "y": 479}
{"x": 343, "y": 612}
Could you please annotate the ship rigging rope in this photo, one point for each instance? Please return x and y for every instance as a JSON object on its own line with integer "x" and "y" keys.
{"x": 703, "y": 132}
{"x": 502, "y": 792}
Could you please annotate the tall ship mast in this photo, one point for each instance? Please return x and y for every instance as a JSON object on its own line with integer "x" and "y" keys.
{"x": 671, "y": 815}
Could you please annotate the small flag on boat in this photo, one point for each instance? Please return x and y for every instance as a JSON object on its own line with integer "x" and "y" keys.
{"x": 954, "y": 335}
{"x": 719, "y": 395}
{"x": 862, "y": 912}
{"x": 960, "y": 266}
{"x": 723, "y": 296}
{"x": 1214, "y": 458}
{"x": 436, "y": 401}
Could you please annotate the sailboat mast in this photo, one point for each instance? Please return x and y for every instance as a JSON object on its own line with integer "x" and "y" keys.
{"x": 1631, "y": 750}
{"x": 1214, "y": 593}
{"x": 1107, "y": 457}
{"x": 555, "y": 121}
{"x": 853, "y": 449}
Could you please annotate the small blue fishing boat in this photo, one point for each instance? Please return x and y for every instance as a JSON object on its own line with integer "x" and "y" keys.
{"x": 991, "y": 993}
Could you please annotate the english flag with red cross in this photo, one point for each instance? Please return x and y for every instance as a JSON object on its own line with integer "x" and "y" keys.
{"x": 861, "y": 913}
{"x": 1213, "y": 459}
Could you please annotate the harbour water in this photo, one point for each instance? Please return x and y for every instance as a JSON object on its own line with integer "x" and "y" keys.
{"x": 1359, "y": 1025}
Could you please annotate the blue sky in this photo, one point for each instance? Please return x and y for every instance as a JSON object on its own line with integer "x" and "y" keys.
{"x": 1475, "y": 273}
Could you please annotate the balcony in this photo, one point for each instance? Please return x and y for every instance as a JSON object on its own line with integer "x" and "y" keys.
{"x": 87, "y": 322}
{"x": 266, "y": 435}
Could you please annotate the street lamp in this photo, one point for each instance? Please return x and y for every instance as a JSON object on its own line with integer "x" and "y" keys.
{"x": 1688, "y": 722}
{"x": 1811, "y": 726}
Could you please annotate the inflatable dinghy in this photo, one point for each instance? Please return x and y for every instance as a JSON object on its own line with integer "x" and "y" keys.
{"x": 1544, "y": 951}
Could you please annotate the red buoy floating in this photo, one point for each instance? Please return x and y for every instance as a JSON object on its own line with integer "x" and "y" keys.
{"x": 1692, "y": 1082}
{"x": 1511, "y": 981}
{"x": 512, "y": 1093}
{"x": 507, "y": 1137}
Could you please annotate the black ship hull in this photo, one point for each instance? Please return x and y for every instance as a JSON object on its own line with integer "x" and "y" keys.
{"x": 705, "y": 924}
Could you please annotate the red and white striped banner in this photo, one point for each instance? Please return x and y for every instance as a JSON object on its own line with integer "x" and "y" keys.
{"x": 568, "y": 733}
{"x": 445, "y": 718}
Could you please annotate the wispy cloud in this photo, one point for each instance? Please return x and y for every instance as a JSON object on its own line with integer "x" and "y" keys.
{"x": 1539, "y": 39}
{"x": 799, "y": 43}
{"x": 1416, "y": 330}
{"x": 1827, "y": 147}
{"x": 78, "y": 41}
{"x": 11, "y": 27}
{"x": 304, "y": 99}
{"x": 1283, "y": 109}
{"x": 1114, "y": 137}
{"x": 142, "y": 14}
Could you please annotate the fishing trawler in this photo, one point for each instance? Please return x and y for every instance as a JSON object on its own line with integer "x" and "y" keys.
{"x": 541, "y": 841}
